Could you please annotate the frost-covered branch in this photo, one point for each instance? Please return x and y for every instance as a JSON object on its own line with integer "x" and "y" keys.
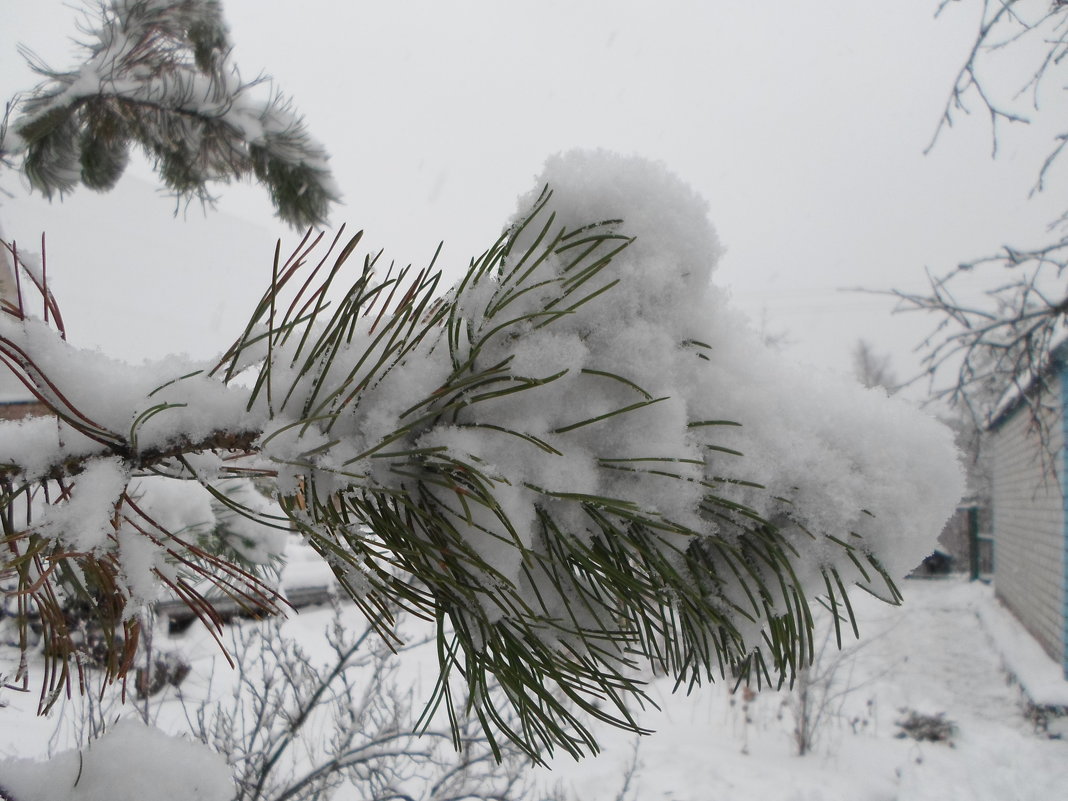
{"x": 1001, "y": 343}
{"x": 296, "y": 728}
{"x": 574, "y": 461}
{"x": 157, "y": 75}
{"x": 1037, "y": 29}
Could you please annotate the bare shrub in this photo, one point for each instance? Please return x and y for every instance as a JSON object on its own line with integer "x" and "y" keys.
{"x": 297, "y": 728}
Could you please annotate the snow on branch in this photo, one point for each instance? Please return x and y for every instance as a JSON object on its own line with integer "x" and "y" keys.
{"x": 576, "y": 461}
{"x": 157, "y": 75}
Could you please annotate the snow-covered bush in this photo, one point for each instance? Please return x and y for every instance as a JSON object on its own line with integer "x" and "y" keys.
{"x": 575, "y": 460}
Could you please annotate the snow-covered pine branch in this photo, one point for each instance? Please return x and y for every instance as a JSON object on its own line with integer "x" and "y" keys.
{"x": 157, "y": 74}
{"x": 577, "y": 460}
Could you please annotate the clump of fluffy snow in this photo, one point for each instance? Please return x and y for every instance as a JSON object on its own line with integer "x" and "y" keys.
{"x": 664, "y": 275}
{"x": 815, "y": 453}
{"x": 131, "y": 762}
{"x": 848, "y": 460}
{"x": 84, "y": 521}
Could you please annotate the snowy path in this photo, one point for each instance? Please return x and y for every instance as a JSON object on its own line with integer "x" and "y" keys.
{"x": 947, "y": 663}
{"x": 932, "y": 656}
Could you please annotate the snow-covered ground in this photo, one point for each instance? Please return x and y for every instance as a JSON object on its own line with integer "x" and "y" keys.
{"x": 940, "y": 654}
{"x": 932, "y": 655}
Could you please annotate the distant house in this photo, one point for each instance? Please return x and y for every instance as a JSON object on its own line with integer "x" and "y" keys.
{"x": 1029, "y": 476}
{"x": 16, "y": 405}
{"x": 16, "y": 401}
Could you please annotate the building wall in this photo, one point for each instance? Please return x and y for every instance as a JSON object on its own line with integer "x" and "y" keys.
{"x": 18, "y": 410}
{"x": 1029, "y": 521}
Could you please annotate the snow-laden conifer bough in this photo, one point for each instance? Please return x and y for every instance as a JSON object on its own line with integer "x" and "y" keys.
{"x": 576, "y": 461}
{"x": 157, "y": 74}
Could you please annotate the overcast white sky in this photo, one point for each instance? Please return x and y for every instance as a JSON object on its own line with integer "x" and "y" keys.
{"x": 803, "y": 124}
